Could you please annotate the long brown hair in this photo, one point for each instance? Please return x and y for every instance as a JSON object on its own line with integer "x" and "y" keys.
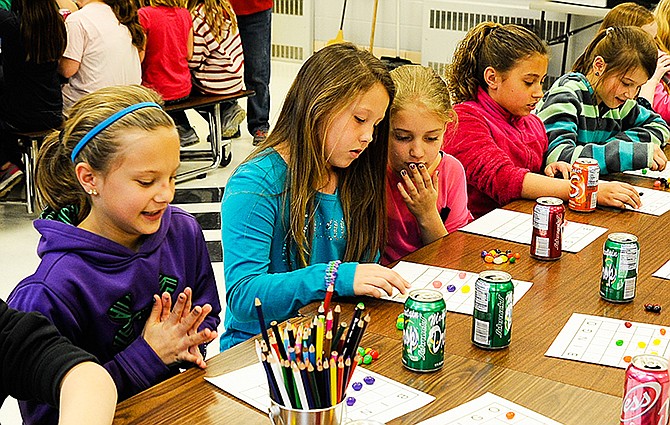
{"x": 126, "y": 13}
{"x": 217, "y": 14}
{"x": 57, "y": 184}
{"x": 326, "y": 84}
{"x": 622, "y": 49}
{"x": 42, "y": 29}
{"x": 489, "y": 45}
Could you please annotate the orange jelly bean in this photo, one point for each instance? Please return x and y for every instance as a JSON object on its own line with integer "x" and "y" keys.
{"x": 509, "y": 415}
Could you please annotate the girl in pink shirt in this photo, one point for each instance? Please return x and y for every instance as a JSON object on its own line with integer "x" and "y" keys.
{"x": 496, "y": 80}
{"x": 425, "y": 188}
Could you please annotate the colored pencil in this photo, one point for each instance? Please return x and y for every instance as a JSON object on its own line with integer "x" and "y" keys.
{"x": 280, "y": 343}
{"x": 307, "y": 386}
{"x": 297, "y": 378}
{"x": 336, "y": 316}
{"x": 327, "y": 341}
{"x": 326, "y": 382}
{"x": 261, "y": 321}
{"x": 329, "y": 296}
{"x": 281, "y": 384}
{"x": 340, "y": 378}
{"x": 333, "y": 382}
{"x": 319, "y": 339}
{"x": 311, "y": 372}
{"x": 337, "y": 339}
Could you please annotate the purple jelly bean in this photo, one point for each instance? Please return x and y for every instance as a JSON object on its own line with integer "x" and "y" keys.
{"x": 451, "y": 288}
{"x": 350, "y": 401}
{"x": 369, "y": 380}
{"x": 357, "y": 386}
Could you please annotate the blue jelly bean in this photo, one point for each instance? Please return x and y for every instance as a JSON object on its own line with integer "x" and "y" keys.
{"x": 350, "y": 401}
{"x": 357, "y": 386}
{"x": 369, "y": 380}
{"x": 451, "y": 288}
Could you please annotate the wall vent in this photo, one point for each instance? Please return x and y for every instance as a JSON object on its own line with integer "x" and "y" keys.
{"x": 288, "y": 7}
{"x": 282, "y": 51}
{"x": 463, "y": 21}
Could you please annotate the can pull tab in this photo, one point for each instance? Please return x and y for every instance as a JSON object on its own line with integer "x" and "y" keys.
{"x": 274, "y": 413}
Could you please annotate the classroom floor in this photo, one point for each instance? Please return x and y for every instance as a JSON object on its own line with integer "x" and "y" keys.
{"x": 18, "y": 238}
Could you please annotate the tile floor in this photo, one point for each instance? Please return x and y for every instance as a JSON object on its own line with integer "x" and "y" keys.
{"x": 18, "y": 239}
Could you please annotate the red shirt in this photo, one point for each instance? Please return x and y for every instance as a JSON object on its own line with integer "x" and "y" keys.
{"x": 165, "y": 66}
{"x": 496, "y": 149}
{"x": 249, "y": 7}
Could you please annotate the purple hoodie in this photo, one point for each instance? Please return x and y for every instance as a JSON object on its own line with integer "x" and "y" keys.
{"x": 99, "y": 295}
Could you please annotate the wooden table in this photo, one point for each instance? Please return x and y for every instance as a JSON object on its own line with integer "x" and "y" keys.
{"x": 567, "y": 391}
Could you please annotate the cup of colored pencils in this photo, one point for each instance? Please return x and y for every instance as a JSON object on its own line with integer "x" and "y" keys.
{"x": 309, "y": 365}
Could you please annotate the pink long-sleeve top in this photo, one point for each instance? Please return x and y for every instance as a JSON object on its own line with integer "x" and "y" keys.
{"x": 661, "y": 101}
{"x": 496, "y": 149}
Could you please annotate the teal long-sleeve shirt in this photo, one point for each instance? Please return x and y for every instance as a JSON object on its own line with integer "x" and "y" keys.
{"x": 619, "y": 139}
{"x": 254, "y": 217}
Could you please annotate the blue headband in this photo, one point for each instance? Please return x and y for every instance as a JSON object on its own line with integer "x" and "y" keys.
{"x": 107, "y": 122}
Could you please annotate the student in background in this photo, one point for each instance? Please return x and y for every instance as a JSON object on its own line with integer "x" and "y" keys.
{"x": 630, "y": 14}
{"x": 33, "y": 40}
{"x": 254, "y": 18}
{"x": 217, "y": 64}
{"x": 657, "y": 89}
{"x": 169, "y": 30}
{"x": 496, "y": 80}
{"x": 308, "y": 207}
{"x": 38, "y": 363}
{"x": 104, "y": 41}
{"x": 115, "y": 256}
{"x": 592, "y": 112}
{"x": 426, "y": 193}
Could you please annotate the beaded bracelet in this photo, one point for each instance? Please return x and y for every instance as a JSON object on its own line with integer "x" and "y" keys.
{"x": 331, "y": 272}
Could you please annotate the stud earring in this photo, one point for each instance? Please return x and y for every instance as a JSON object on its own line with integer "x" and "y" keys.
{"x": 597, "y": 74}
{"x": 92, "y": 192}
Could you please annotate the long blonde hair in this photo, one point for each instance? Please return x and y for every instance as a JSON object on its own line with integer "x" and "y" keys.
{"x": 57, "y": 184}
{"x": 216, "y": 13}
{"x": 326, "y": 84}
{"x": 662, "y": 14}
{"x": 489, "y": 45}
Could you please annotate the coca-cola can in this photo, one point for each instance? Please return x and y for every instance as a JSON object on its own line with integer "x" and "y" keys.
{"x": 646, "y": 390}
{"x": 548, "y": 217}
{"x": 584, "y": 185}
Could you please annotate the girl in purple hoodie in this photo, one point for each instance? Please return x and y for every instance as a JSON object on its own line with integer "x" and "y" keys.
{"x": 115, "y": 255}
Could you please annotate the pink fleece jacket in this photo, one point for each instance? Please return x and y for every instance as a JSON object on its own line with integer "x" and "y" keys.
{"x": 496, "y": 149}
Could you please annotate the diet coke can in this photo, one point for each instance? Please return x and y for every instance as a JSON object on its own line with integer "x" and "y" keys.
{"x": 645, "y": 400}
{"x": 584, "y": 185}
{"x": 548, "y": 217}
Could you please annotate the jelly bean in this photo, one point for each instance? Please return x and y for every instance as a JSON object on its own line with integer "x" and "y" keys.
{"x": 498, "y": 260}
{"x": 374, "y": 354}
{"x": 437, "y": 284}
{"x": 644, "y": 171}
{"x": 357, "y": 386}
{"x": 367, "y": 359}
{"x": 451, "y": 288}
{"x": 619, "y": 342}
{"x": 641, "y": 344}
{"x": 361, "y": 351}
{"x": 504, "y": 258}
{"x": 462, "y": 275}
{"x": 657, "y": 184}
{"x": 351, "y": 401}
{"x": 489, "y": 258}
{"x": 369, "y": 380}
{"x": 509, "y": 415}
{"x": 493, "y": 253}
{"x": 517, "y": 255}
{"x": 465, "y": 289}
{"x": 628, "y": 324}
{"x": 627, "y": 359}
{"x": 512, "y": 260}
{"x": 484, "y": 253}
{"x": 662, "y": 331}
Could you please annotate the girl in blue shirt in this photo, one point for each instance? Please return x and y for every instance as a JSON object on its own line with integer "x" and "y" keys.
{"x": 308, "y": 207}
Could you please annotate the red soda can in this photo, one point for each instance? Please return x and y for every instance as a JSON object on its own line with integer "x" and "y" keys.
{"x": 548, "y": 217}
{"x": 584, "y": 185}
{"x": 646, "y": 390}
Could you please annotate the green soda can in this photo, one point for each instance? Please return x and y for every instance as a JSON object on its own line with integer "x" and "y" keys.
{"x": 492, "y": 315}
{"x": 423, "y": 335}
{"x": 621, "y": 257}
